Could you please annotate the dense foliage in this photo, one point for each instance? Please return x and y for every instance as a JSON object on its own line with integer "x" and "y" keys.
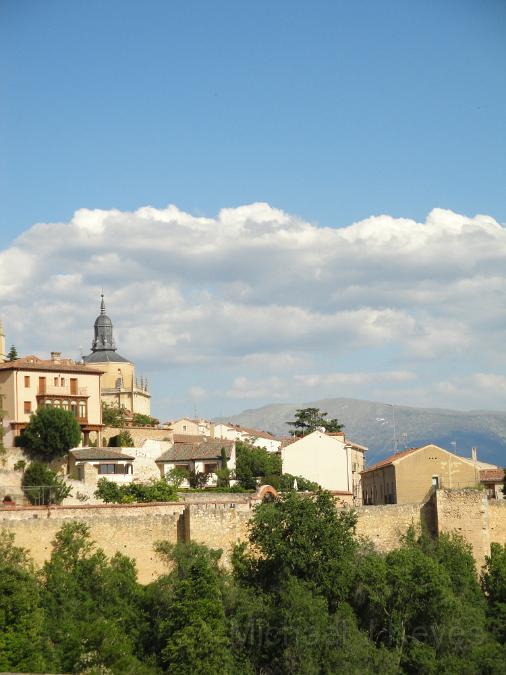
{"x": 13, "y": 354}
{"x": 113, "y": 415}
{"x": 154, "y": 491}
{"x": 42, "y": 486}
{"x": 140, "y": 420}
{"x": 51, "y": 433}
{"x": 304, "y": 596}
{"x": 252, "y": 463}
{"x": 308, "y": 420}
{"x": 122, "y": 440}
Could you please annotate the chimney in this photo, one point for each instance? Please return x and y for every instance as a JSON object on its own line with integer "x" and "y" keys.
{"x": 474, "y": 454}
{"x": 56, "y": 357}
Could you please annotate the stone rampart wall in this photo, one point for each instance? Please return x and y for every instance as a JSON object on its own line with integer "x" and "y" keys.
{"x": 222, "y": 522}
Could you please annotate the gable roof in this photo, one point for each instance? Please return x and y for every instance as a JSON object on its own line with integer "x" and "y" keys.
{"x": 391, "y": 459}
{"x": 492, "y": 475}
{"x": 204, "y": 448}
{"x": 91, "y": 454}
{"x": 251, "y": 432}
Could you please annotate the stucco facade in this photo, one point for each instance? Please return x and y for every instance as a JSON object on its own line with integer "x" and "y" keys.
{"x": 410, "y": 475}
{"x": 325, "y": 459}
{"x": 29, "y": 383}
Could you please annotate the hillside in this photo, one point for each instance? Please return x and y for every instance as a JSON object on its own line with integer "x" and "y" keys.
{"x": 371, "y": 424}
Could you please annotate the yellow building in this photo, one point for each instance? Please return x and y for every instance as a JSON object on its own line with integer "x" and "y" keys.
{"x": 29, "y": 383}
{"x": 410, "y": 475}
{"x": 119, "y": 385}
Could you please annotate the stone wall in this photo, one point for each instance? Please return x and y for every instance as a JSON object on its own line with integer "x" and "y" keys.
{"x": 385, "y": 525}
{"x": 222, "y": 521}
{"x": 138, "y": 434}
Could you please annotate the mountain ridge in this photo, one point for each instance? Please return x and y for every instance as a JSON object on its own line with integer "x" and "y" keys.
{"x": 371, "y": 423}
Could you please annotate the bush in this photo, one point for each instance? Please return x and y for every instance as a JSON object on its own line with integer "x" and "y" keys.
{"x": 140, "y": 420}
{"x": 253, "y": 463}
{"x": 41, "y": 485}
{"x": 50, "y": 433}
{"x": 121, "y": 440}
{"x": 155, "y": 491}
{"x": 303, "y": 484}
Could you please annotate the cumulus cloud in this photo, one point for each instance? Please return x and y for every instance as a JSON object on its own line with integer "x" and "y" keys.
{"x": 256, "y": 288}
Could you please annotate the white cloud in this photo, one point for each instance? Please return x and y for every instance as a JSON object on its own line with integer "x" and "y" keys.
{"x": 256, "y": 289}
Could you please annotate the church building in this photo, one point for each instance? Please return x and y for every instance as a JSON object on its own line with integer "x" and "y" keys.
{"x": 119, "y": 384}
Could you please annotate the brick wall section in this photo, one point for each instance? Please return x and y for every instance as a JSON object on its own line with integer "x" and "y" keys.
{"x": 384, "y": 525}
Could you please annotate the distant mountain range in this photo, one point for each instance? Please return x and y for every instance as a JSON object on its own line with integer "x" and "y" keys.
{"x": 371, "y": 424}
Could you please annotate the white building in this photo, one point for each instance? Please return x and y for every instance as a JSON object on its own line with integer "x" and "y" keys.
{"x": 260, "y": 439}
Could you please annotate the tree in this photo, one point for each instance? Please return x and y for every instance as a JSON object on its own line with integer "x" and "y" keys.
{"x": 302, "y": 536}
{"x": 50, "y": 433}
{"x": 21, "y": 615}
{"x": 140, "y": 420}
{"x": 493, "y": 581}
{"x": 253, "y": 463}
{"x": 113, "y": 415}
{"x": 42, "y": 486}
{"x": 122, "y": 440}
{"x": 191, "y": 622}
{"x": 13, "y": 354}
{"x": 197, "y": 479}
{"x": 308, "y": 420}
{"x": 2, "y": 430}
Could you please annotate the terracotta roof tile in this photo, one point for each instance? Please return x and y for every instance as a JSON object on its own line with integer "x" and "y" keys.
{"x": 90, "y": 454}
{"x": 390, "y": 460}
{"x": 203, "y": 449}
{"x": 492, "y": 475}
{"x": 35, "y": 363}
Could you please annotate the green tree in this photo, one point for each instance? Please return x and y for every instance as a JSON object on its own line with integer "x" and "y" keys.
{"x": 2, "y": 430}
{"x": 93, "y": 606}
{"x": 308, "y": 420}
{"x": 122, "y": 440}
{"x": 41, "y": 485}
{"x": 304, "y": 537}
{"x": 153, "y": 491}
{"x": 252, "y": 463}
{"x": 51, "y": 433}
{"x": 190, "y": 623}
{"x": 493, "y": 580}
{"x": 140, "y": 420}
{"x": 13, "y": 354}
{"x": 113, "y": 415}
{"x": 22, "y": 646}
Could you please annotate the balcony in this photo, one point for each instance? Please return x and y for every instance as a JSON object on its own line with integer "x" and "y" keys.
{"x": 51, "y": 390}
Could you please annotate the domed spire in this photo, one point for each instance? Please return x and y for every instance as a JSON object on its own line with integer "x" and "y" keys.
{"x": 103, "y": 347}
{"x": 103, "y": 339}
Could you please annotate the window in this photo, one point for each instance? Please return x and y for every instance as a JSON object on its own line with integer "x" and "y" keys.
{"x": 82, "y": 409}
{"x": 28, "y": 407}
{"x": 65, "y": 405}
{"x": 184, "y": 427}
{"x": 106, "y": 468}
{"x": 55, "y": 381}
{"x": 435, "y": 482}
{"x": 73, "y": 408}
{"x": 27, "y": 380}
{"x": 210, "y": 468}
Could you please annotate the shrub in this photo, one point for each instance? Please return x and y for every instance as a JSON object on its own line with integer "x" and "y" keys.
{"x": 41, "y": 485}
{"x": 155, "y": 491}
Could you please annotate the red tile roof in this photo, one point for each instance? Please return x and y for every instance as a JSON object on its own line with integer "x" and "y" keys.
{"x": 390, "y": 460}
{"x": 60, "y": 365}
{"x": 492, "y": 475}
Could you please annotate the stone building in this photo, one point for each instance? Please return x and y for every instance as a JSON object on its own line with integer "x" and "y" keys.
{"x": 120, "y": 385}
{"x": 411, "y": 475}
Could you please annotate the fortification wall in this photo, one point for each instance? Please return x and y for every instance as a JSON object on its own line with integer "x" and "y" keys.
{"x": 222, "y": 522}
{"x": 131, "y": 530}
{"x": 138, "y": 434}
{"x": 384, "y": 525}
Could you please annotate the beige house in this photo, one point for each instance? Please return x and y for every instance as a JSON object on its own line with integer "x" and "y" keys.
{"x": 120, "y": 385}
{"x": 115, "y": 465}
{"x": 191, "y": 427}
{"x": 30, "y": 383}
{"x": 328, "y": 459}
{"x": 410, "y": 475}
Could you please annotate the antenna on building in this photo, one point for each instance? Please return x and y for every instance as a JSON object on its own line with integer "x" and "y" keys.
{"x": 405, "y": 439}
{"x": 391, "y": 405}
{"x": 454, "y": 445}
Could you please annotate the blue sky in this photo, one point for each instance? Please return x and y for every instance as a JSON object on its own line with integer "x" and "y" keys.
{"x": 329, "y": 111}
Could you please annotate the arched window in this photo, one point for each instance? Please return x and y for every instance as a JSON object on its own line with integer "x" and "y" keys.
{"x": 65, "y": 405}
{"x": 82, "y": 409}
{"x": 48, "y": 403}
{"x": 73, "y": 408}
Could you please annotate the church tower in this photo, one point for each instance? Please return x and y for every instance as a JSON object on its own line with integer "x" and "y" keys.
{"x": 119, "y": 384}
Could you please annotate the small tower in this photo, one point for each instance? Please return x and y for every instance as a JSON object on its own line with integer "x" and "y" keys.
{"x": 3, "y": 357}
